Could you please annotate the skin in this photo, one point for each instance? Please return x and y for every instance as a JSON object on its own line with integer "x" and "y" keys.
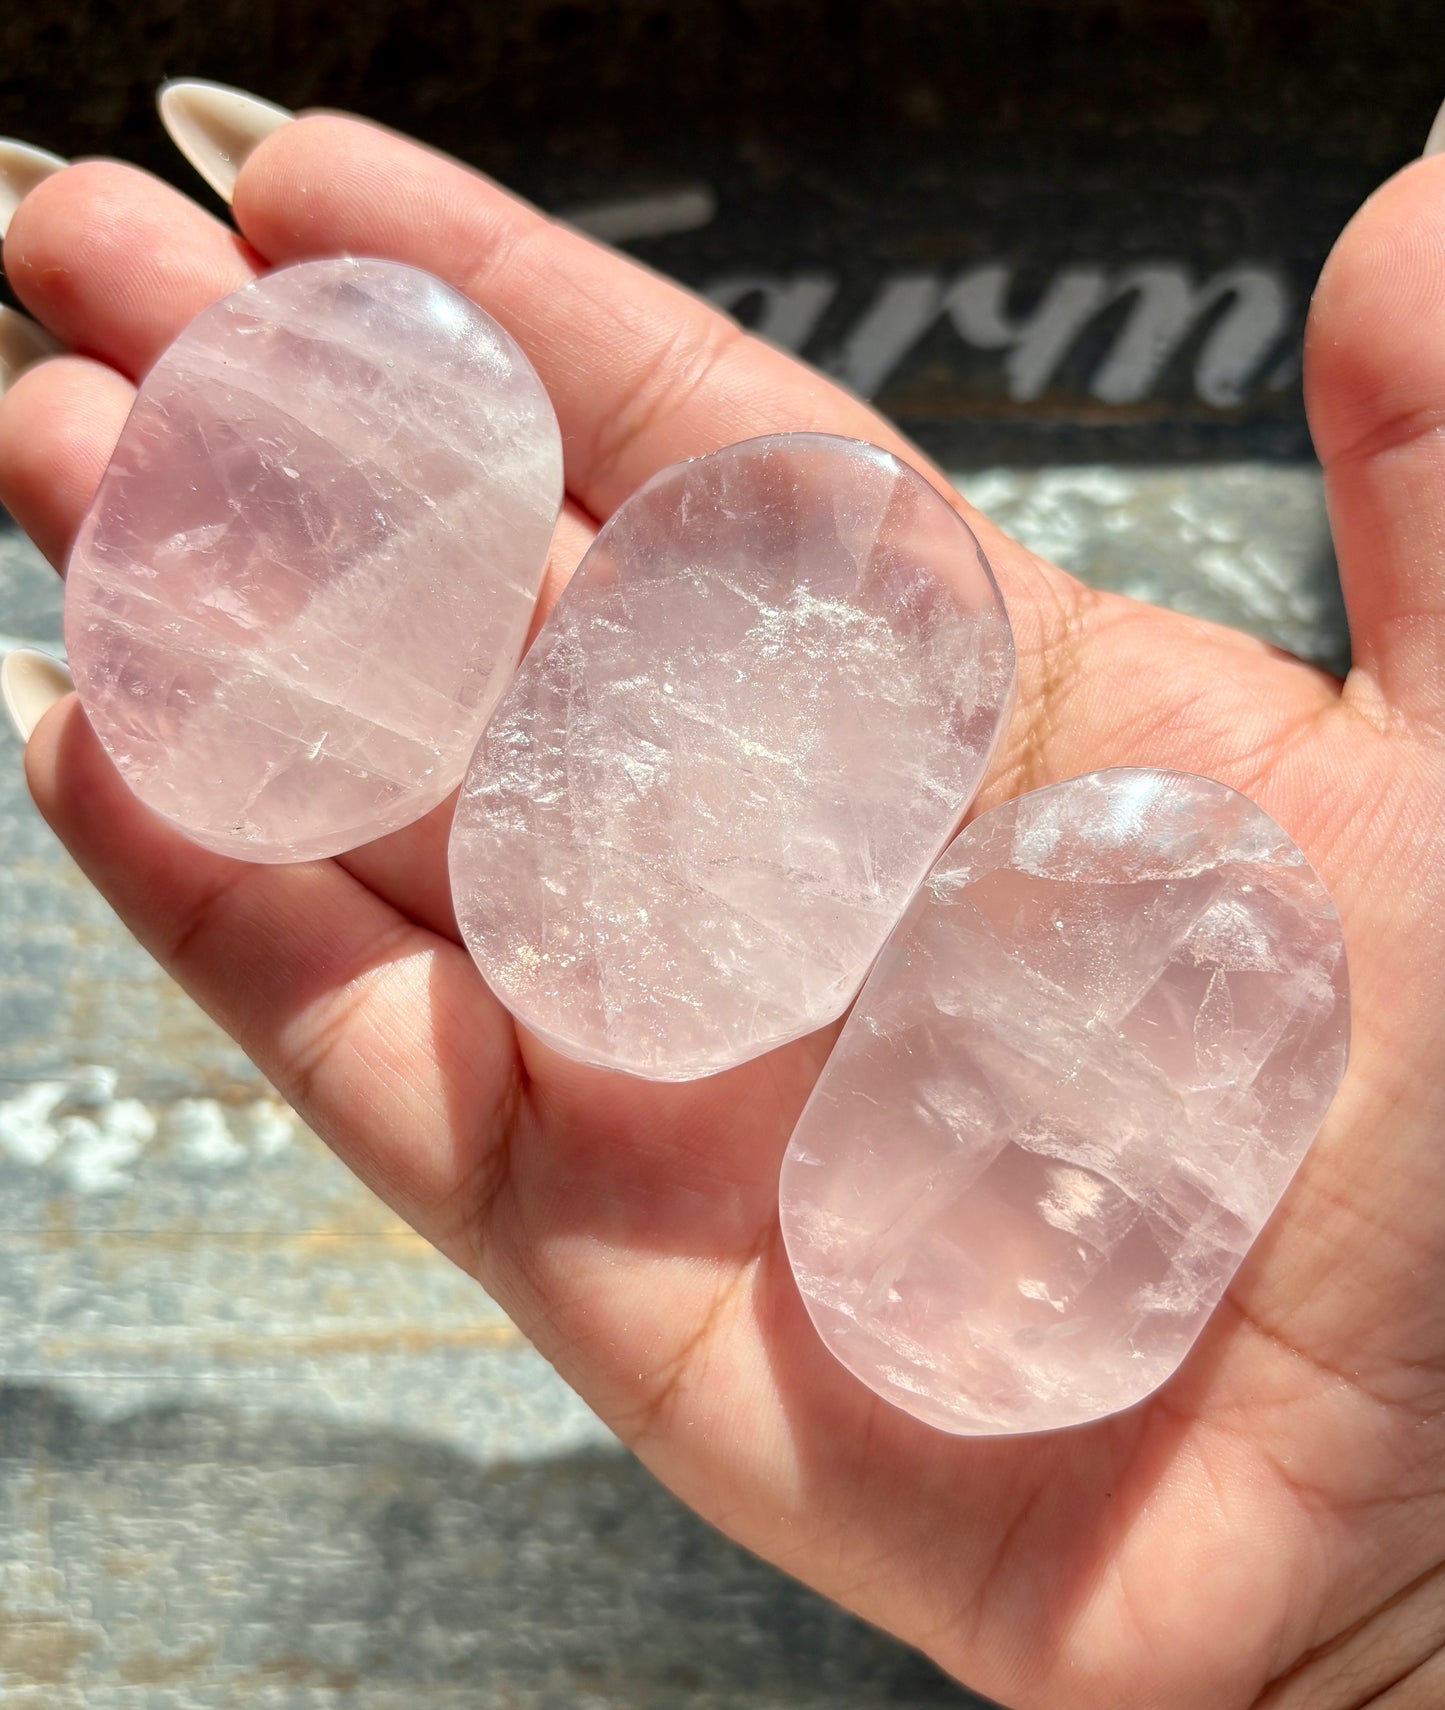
{"x": 1269, "y": 1529}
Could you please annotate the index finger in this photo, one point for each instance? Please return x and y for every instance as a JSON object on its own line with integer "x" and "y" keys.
{"x": 642, "y": 372}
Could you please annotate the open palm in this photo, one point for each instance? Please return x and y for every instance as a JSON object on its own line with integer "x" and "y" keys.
{"x": 1270, "y": 1528}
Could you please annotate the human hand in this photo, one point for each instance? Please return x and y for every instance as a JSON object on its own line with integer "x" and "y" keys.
{"x": 1265, "y": 1531}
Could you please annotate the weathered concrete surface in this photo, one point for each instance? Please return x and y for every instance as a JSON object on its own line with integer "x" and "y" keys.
{"x": 259, "y": 1445}
{"x": 1240, "y": 543}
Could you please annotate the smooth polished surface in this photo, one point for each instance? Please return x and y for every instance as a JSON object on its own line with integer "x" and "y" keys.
{"x": 313, "y": 558}
{"x": 747, "y": 728}
{"x": 217, "y": 127}
{"x": 1075, "y": 1086}
{"x": 30, "y": 684}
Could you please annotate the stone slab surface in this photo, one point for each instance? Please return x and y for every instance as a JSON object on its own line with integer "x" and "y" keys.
{"x": 259, "y": 1445}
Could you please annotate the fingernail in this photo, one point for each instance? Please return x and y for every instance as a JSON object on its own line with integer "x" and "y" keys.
{"x": 216, "y": 127}
{"x": 21, "y": 169}
{"x": 30, "y": 684}
{"x": 1435, "y": 142}
{"x": 22, "y": 342}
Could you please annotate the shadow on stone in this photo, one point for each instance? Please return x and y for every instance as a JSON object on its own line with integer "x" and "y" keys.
{"x": 206, "y": 1545}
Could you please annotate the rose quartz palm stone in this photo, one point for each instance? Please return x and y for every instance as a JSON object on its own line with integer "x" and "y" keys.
{"x": 312, "y": 561}
{"x": 751, "y": 722}
{"x": 1075, "y": 1086}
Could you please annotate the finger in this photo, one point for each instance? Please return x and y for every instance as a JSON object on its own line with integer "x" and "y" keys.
{"x": 377, "y": 1031}
{"x": 333, "y": 184}
{"x": 1375, "y": 387}
{"x": 58, "y": 426}
{"x": 115, "y": 263}
{"x": 641, "y": 371}
{"x": 615, "y": 344}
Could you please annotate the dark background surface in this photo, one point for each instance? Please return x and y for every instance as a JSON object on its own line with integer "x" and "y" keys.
{"x": 257, "y": 1444}
{"x": 861, "y": 144}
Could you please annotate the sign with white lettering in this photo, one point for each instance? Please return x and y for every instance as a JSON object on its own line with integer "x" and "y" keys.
{"x": 1040, "y": 232}
{"x": 1126, "y": 332}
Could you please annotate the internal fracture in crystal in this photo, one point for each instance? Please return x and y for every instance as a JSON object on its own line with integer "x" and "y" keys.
{"x": 1076, "y": 1084}
{"x": 312, "y": 561}
{"x": 751, "y": 722}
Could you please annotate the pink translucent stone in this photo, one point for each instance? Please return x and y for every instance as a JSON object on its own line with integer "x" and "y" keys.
{"x": 312, "y": 561}
{"x": 1076, "y": 1084}
{"x": 751, "y": 722}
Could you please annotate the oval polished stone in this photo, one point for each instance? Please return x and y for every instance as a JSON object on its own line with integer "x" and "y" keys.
{"x": 754, "y": 717}
{"x": 312, "y": 560}
{"x": 1075, "y": 1086}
